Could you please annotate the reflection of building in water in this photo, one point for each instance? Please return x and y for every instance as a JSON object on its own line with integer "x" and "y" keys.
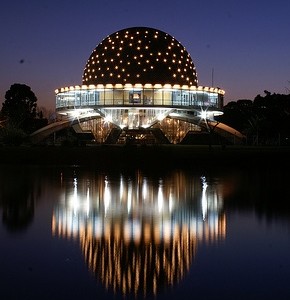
{"x": 140, "y": 235}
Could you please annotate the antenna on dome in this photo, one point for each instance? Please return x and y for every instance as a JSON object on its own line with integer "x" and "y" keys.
{"x": 212, "y": 74}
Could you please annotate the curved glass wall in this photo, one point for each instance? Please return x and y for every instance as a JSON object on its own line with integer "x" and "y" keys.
{"x": 138, "y": 95}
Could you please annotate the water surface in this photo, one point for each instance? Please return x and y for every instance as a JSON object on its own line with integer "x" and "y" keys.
{"x": 75, "y": 233}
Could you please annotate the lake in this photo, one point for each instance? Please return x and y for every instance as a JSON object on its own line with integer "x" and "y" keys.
{"x": 69, "y": 232}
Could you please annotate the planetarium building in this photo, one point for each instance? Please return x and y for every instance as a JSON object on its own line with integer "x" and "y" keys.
{"x": 140, "y": 84}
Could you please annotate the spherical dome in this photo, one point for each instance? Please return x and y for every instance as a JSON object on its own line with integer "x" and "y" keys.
{"x": 140, "y": 55}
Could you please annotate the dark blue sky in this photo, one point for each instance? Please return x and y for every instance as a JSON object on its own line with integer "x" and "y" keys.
{"x": 45, "y": 44}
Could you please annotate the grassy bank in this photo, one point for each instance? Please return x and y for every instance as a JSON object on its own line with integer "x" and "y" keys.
{"x": 162, "y": 155}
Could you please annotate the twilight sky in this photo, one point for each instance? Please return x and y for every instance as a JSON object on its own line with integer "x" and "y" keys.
{"x": 45, "y": 44}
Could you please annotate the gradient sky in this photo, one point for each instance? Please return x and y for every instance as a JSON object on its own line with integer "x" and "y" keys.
{"x": 45, "y": 44}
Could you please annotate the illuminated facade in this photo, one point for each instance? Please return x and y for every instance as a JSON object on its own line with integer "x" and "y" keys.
{"x": 140, "y": 236}
{"x": 140, "y": 82}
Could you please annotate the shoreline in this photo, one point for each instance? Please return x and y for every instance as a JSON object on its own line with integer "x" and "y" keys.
{"x": 149, "y": 155}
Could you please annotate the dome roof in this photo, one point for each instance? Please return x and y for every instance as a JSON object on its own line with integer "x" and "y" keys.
{"x": 140, "y": 55}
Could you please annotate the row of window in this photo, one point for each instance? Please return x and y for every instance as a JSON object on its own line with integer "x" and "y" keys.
{"x": 148, "y": 97}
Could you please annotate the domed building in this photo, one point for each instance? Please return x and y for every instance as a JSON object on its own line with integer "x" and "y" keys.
{"x": 140, "y": 84}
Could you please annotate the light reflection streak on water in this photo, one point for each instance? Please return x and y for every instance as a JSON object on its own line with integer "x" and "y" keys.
{"x": 75, "y": 201}
{"x": 160, "y": 197}
{"x": 121, "y": 187}
{"x": 88, "y": 201}
{"x": 204, "y": 197}
{"x": 129, "y": 196}
{"x": 144, "y": 189}
{"x": 107, "y": 196}
{"x": 146, "y": 225}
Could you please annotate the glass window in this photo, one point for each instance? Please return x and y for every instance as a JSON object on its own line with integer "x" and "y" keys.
{"x": 158, "y": 94}
{"x": 109, "y": 97}
{"x": 84, "y": 98}
{"x": 176, "y": 98}
{"x": 167, "y": 98}
{"x": 118, "y": 96}
{"x": 135, "y": 96}
{"x": 148, "y": 96}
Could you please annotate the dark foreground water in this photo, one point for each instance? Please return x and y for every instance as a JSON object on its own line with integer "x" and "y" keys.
{"x": 74, "y": 233}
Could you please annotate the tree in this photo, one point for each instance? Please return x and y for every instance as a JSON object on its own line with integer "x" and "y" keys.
{"x": 19, "y": 107}
{"x": 264, "y": 120}
{"x": 19, "y": 115}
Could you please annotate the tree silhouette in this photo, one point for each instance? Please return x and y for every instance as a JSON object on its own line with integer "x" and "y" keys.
{"x": 265, "y": 120}
{"x": 20, "y": 102}
{"x": 20, "y": 114}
